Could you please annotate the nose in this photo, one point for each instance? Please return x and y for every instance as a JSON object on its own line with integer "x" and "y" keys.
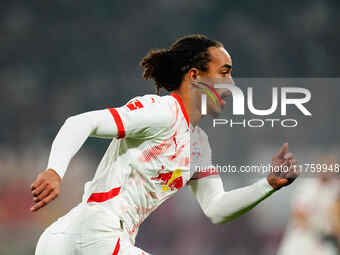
{"x": 225, "y": 92}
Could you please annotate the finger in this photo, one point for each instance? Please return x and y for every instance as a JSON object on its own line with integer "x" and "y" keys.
{"x": 294, "y": 172}
{"x": 295, "y": 162}
{"x": 36, "y": 183}
{"x": 288, "y": 156}
{"x": 287, "y": 163}
{"x": 37, "y": 206}
{"x": 39, "y": 189}
{"x": 43, "y": 202}
{"x": 42, "y": 195}
{"x": 294, "y": 165}
{"x": 283, "y": 151}
{"x": 282, "y": 182}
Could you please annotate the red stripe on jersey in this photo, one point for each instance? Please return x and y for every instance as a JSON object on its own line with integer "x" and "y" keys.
{"x": 102, "y": 197}
{"x": 179, "y": 100}
{"x": 205, "y": 173}
{"x": 134, "y": 105}
{"x": 115, "y": 252}
{"x": 119, "y": 123}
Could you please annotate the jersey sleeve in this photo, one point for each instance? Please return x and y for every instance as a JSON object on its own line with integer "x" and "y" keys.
{"x": 201, "y": 162}
{"x": 143, "y": 116}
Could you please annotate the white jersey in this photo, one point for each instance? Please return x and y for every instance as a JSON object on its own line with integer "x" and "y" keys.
{"x": 315, "y": 199}
{"x": 146, "y": 164}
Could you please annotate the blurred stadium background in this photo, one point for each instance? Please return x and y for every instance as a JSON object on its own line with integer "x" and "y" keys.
{"x": 64, "y": 57}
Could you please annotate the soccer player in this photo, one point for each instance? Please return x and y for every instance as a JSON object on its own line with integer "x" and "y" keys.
{"x": 314, "y": 228}
{"x": 149, "y": 159}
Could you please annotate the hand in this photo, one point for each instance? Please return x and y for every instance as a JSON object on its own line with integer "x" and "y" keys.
{"x": 284, "y": 170}
{"x": 45, "y": 189}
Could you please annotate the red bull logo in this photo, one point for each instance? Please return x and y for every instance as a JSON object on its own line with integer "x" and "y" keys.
{"x": 170, "y": 180}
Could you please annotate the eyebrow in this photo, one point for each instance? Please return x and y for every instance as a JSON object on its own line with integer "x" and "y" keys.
{"x": 227, "y": 66}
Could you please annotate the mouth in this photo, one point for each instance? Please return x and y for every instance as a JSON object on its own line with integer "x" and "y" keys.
{"x": 220, "y": 97}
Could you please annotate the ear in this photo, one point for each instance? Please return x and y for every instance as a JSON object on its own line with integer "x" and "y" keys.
{"x": 193, "y": 74}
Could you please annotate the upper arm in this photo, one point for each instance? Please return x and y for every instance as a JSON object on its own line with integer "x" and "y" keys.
{"x": 141, "y": 116}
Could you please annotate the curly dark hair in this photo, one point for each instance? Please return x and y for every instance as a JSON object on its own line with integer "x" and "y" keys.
{"x": 167, "y": 67}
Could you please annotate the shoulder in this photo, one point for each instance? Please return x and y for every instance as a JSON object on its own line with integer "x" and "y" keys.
{"x": 154, "y": 109}
{"x": 150, "y": 101}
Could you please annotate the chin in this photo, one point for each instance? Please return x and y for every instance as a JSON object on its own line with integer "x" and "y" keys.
{"x": 215, "y": 112}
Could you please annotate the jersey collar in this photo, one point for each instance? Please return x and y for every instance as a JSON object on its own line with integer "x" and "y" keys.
{"x": 180, "y": 102}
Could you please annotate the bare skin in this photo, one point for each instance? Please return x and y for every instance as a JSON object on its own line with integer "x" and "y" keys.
{"x": 220, "y": 66}
{"x": 46, "y": 187}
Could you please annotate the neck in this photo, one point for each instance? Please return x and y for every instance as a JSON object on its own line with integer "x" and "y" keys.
{"x": 189, "y": 104}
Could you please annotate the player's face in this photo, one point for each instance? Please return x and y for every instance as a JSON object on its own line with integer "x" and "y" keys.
{"x": 219, "y": 67}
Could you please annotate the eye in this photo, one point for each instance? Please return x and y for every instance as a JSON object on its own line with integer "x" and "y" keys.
{"x": 226, "y": 72}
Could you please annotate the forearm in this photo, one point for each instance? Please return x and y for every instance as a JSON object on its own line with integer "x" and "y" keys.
{"x": 221, "y": 206}
{"x": 226, "y": 206}
{"x": 74, "y": 133}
